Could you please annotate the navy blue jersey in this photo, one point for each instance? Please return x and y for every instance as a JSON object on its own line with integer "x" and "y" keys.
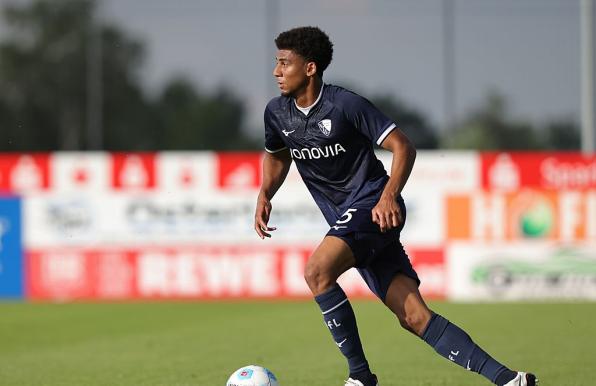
{"x": 332, "y": 147}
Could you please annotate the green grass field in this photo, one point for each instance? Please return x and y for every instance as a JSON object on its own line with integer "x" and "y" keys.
{"x": 191, "y": 344}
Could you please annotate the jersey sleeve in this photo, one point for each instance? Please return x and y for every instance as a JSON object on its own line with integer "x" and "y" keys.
{"x": 367, "y": 119}
{"x": 273, "y": 142}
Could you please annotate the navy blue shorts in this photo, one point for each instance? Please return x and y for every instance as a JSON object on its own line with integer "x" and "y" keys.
{"x": 379, "y": 256}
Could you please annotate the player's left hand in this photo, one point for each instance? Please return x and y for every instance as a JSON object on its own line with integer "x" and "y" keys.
{"x": 262, "y": 213}
{"x": 387, "y": 214}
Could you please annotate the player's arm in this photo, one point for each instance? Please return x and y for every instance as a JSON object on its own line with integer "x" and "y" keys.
{"x": 275, "y": 169}
{"x": 387, "y": 212}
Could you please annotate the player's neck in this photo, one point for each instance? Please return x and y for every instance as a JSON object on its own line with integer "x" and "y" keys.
{"x": 310, "y": 94}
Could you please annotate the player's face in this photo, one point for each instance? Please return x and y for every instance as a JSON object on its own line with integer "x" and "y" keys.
{"x": 291, "y": 72}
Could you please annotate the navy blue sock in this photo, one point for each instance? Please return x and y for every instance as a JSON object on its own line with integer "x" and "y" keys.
{"x": 454, "y": 344}
{"x": 340, "y": 319}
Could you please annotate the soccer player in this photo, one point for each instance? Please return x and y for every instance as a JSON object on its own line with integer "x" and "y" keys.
{"x": 329, "y": 132}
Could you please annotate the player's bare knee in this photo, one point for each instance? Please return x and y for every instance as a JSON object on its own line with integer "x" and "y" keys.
{"x": 317, "y": 279}
{"x": 415, "y": 322}
{"x": 310, "y": 275}
{"x": 404, "y": 323}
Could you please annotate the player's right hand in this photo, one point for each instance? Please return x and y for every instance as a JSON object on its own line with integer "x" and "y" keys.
{"x": 262, "y": 218}
{"x": 387, "y": 213}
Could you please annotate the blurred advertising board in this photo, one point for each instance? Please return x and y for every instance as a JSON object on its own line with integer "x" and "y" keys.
{"x": 551, "y": 171}
{"x": 431, "y": 266}
{"x": 167, "y": 198}
{"x": 523, "y": 270}
{"x": 435, "y": 175}
{"x": 11, "y": 252}
{"x": 523, "y": 214}
{"x": 180, "y": 224}
{"x": 441, "y": 171}
{"x": 78, "y": 172}
{"x": 195, "y": 272}
{"x": 162, "y": 219}
{"x": 24, "y": 173}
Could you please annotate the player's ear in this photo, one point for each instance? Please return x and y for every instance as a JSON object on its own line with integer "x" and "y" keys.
{"x": 311, "y": 68}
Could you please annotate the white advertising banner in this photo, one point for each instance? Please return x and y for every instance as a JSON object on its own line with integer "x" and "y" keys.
{"x": 155, "y": 219}
{"x": 521, "y": 271}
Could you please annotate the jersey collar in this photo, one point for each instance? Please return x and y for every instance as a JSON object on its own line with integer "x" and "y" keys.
{"x": 306, "y": 110}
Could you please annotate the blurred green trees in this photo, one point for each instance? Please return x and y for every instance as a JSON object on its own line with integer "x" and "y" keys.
{"x": 490, "y": 127}
{"x": 46, "y": 53}
{"x": 191, "y": 120}
{"x": 44, "y": 60}
{"x": 42, "y": 69}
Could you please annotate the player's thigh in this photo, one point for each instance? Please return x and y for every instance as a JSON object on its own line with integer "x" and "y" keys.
{"x": 406, "y": 302}
{"x": 330, "y": 259}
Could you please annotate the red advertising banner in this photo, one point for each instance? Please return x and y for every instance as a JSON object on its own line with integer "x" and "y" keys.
{"x": 194, "y": 273}
{"x": 239, "y": 170}
{"x": 133, "y": 170}
{"x": 80, "y": 172}
{"x": 24, "y": 173}
{"x": 430, "y": 265}
{"x": 556, "y": 171}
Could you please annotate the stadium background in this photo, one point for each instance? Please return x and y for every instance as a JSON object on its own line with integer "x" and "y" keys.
{"x": 120, "y": 198}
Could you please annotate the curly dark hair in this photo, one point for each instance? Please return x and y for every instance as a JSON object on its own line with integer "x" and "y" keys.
{"x": 309, "y": 42}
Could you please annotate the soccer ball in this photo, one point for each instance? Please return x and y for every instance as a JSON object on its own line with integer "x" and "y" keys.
{"x": 252, "y": 376}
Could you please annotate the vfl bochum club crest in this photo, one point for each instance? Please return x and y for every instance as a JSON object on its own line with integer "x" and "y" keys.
{"x": 325, "y": 126}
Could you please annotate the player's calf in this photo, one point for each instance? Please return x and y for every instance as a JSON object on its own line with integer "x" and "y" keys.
{"x": 340, "y": 320}
{"x": 455, "y": 344}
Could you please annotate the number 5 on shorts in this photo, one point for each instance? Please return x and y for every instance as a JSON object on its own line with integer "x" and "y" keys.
{"x": 347, "y": 215}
